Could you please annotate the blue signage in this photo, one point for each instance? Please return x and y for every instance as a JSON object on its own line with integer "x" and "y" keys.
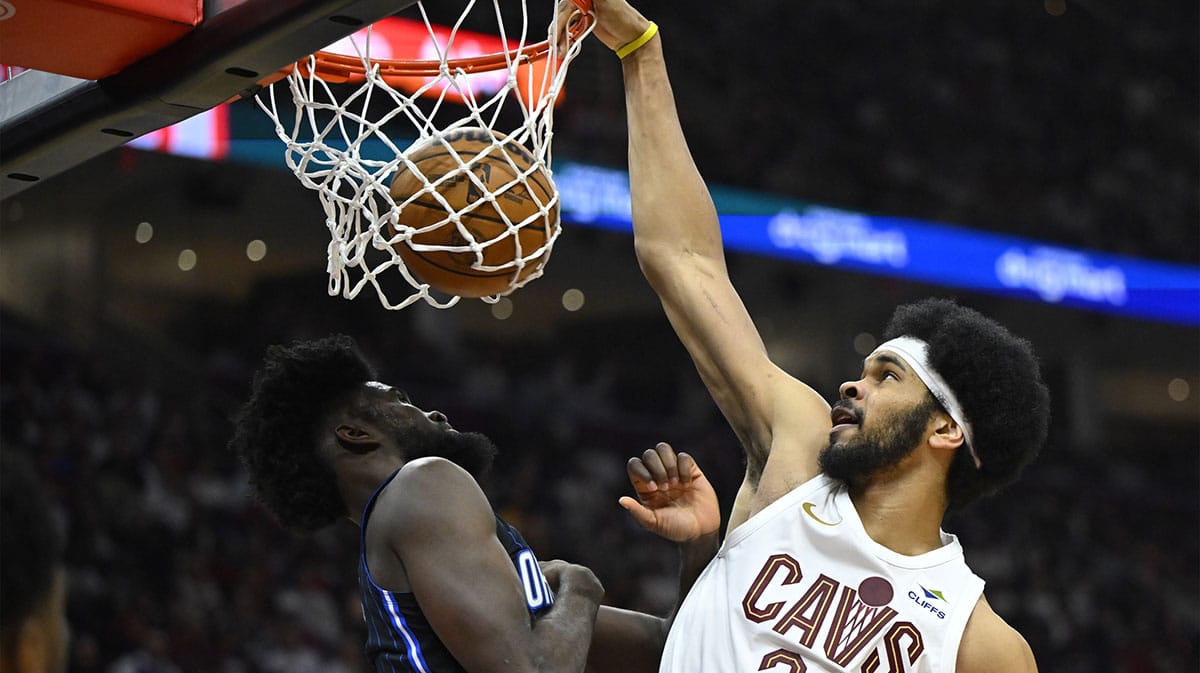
{"x": 904, "y": 248}
{"x": 913, "y": 249}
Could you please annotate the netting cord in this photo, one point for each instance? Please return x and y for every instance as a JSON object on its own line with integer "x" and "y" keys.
{"x": 326, "y": 148}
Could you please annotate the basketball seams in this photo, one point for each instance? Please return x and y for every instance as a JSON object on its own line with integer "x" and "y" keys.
{"x": 520, "y": 176}
{"x": 498, "y": 219}
{"x": 517, "y": 248}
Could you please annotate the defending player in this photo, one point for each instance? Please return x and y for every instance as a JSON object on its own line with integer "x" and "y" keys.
{"x": 835, "y": 559}
{"x": 446, "y": 584}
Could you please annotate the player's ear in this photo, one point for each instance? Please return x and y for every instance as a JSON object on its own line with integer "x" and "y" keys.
{"x": 947, "y": 434}
{"x": 355, "y": 438}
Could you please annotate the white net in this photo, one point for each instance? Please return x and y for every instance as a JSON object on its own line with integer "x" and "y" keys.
{"x": 451, "y": 230}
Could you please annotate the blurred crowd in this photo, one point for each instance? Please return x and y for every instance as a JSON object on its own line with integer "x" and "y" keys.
{"x": 1078, "y": 127}
{"x": 174, "y": 567}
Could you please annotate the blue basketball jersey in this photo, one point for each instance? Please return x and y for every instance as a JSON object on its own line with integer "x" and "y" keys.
{"x": 399, "y": 638}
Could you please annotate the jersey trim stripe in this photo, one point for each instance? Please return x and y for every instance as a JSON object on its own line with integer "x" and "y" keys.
{"x": 410, "y": 640}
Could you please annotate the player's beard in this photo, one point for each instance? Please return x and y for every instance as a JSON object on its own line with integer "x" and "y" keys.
{"x": 471, "y": 451}
{"x": 868, "y": 453}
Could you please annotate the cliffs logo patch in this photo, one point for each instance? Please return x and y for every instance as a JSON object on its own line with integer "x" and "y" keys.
{"x": 931, "y": 600}
{"x": 808, "y": 509}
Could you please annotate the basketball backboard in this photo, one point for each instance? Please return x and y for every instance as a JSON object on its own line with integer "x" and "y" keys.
{"x": 50, "y": 122}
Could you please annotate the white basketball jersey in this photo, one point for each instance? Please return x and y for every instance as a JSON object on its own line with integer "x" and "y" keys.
{"x": 800, "y": 587}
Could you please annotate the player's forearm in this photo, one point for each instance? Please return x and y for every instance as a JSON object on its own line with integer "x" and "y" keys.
{"x": 694, "y": 557}
{"x": 561, "y": 637}
{"x": 673, "y": 214}
{"x": 632, "y": 642}
{"x": 626, "y": 642}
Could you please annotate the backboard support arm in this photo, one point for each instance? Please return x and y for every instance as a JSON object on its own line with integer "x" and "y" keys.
{"x": 49, "y": 123}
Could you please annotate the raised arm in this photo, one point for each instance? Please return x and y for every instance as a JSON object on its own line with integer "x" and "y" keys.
{"x": 443, "y": 532}
{"x": 678, "y": 241}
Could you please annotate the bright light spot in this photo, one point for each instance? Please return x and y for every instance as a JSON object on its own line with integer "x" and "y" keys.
{"x": 1179, "y": 390}
{"x": 145, "y": 232}
{"x": 865, "y": 343}
{"x": 502, "y": 309}
{"x": 256, "y": 250}
{"x": 187, "y": 259}
{"x": 572, "y": 299}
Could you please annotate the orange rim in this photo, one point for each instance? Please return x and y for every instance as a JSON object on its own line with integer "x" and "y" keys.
{"x": 341, "y": 69}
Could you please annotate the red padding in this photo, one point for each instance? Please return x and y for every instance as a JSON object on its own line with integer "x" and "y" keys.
{"x": 91, "y": 40}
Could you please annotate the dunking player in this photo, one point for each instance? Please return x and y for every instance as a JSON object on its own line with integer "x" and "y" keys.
{"x": 446, "y": 584}
{"x": 834, "y": 558}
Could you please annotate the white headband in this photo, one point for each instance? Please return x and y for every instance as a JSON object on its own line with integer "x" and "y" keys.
{"x": 916, "y": 353}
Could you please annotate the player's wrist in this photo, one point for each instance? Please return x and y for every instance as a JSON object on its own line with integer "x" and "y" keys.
{"x": 702, "y": 543}
{"x": 648, "y": 33}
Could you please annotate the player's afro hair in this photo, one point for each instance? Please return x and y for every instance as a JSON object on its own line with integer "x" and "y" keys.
{"x": 996, "y": 378}
{"x": 31, "y": 544}
{"x": 277, "y": 430}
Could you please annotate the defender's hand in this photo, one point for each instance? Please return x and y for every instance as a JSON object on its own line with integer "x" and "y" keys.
{"x": 675, "y": 500}
{"x": 566, "y": 578}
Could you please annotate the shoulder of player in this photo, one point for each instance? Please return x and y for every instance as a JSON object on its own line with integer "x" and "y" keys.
{"x": 990, "y": 645}
{"x": 431, "y": 495}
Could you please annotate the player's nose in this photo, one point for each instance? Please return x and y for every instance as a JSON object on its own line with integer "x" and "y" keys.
{"x": 437, "y": 416}
{"x": 849, "y": 390}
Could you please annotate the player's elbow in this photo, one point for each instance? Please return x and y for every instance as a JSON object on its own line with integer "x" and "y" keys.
{"x": 665, "y": 263}
{"x": 658, "y": 262}
{"x": 653, "y": 251}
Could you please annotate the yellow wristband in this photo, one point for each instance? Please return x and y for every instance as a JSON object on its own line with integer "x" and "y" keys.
{"x": 637, "y": 44}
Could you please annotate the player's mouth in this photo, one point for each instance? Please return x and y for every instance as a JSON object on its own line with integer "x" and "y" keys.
{"x": 843, "y": 416}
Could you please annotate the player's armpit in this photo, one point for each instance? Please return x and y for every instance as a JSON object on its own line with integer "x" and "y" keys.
{"x": 444, "y": 532}
{"x": 742, "y": 502}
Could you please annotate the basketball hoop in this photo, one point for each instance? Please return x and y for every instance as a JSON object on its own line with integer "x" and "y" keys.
{"x": 346, "y": 109}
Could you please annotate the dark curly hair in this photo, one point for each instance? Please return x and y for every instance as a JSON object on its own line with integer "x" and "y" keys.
{"x": 276, "y": 431}
{"x": 32, "y": 546}
{"x": 998, "y": 381}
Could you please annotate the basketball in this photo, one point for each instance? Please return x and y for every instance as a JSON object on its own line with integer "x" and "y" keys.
{"x": 494, "y": 269}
